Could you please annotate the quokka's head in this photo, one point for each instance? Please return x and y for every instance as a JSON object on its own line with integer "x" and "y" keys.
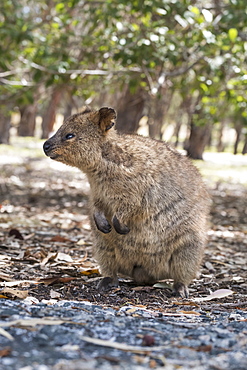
{"x": 77, "y": 142}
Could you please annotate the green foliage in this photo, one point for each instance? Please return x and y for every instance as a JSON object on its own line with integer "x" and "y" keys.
{"x": 195, "y": 47}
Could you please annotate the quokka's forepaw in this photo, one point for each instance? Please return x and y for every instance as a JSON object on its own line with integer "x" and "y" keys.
{"x": 180, "y": 290}
{"x": 120, "y": 229}
{"x": 101, "y": 222}
{"x": 107, "y": 283}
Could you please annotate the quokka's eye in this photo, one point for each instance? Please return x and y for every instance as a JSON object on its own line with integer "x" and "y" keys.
{"x": 69, "y": 136}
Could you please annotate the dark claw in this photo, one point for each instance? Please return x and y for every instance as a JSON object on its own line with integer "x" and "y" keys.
{"x": 101, "y": 222}
{"x": 107, "y": 283}
{"x": 120, "y": 229}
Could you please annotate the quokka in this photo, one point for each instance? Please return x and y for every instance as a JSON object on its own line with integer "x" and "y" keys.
{"x": 149, "y": 205}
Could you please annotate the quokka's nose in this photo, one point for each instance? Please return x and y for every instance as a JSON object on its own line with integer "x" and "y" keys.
{"x": 46, "y": 146}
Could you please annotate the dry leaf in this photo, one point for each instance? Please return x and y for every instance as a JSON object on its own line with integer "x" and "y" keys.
{"x": 209, "y": 266}
{"x": 66, "y": 279}
{"x": 31, "y": 300}
{"x": 3, "y": 257}
{"x": 18, "y": 282}
{"x": 50, "y": 256}
{"x": 204, "y": 348}
{"x": 54, "y": 294}
{"x": 121, "y": 346}
{"x": 58, "y": 238}
{"x": 239, "y": 279}
{"x": 5, "y": 277}
{"x": 179, "y": 313}
{"x": 49, "y": 302}
{"x": 90, "y": 272}
{"x": 50, "y": 280}
{"x": 6, "y": 334}
{"x": 89, "y": 264}
{"x": 190, "y": 313}
{"x": 55, "y": 280}
{"x": 162, "y": 285}
{"x": 81, "y": 242}
{"x": 63, "y": 257}
{"x": 21, "y": 255}
{"x": 5, "y": 352}
{"x": 16, "y": 292}
{"x": 131, "y": 310}
{"x": 32, "y": 322}
{"x": 29, "y": 236}
{"x": 140, "y": 288}
{"x": 220, "y": 293}
{"x": 153, "y": 364}
{"x": 70, "y": 347}
{"x": 140, "y": 306}
{"x": 83, "y": 258}
{"x": 185, "y": 303}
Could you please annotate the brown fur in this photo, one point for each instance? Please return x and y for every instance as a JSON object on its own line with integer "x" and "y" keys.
{"x": 148, "y": 203}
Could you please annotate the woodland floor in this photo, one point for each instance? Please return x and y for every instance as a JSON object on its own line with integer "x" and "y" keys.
{"x": 45, "y": 241}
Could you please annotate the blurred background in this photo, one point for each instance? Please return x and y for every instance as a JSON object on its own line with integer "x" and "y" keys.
{"x": 173, "y": 69}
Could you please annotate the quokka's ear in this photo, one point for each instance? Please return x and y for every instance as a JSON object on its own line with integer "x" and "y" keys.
{"x": 107, "y": 118}
{"x": 86, "y": 109}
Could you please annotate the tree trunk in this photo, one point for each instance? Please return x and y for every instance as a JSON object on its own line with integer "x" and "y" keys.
{"x": 177, "y": 132}
{"x": 199, "y": 136}
{"x": 70, "y": 103}
{"x": 4, "y": 129}
{"x": 130, "y": 110}
{"x": 158, "y": 106}
{"x": 238, "y": 127}
{"x": 68, "y": 110}
{"x": 50, "y": 114}
{"x": 28, "y": 118}
{"x": 155, "y": 117}
{"x": 220, "y": 145}
{"x": 244, "y": 151}
{"x": 185, "y": 112}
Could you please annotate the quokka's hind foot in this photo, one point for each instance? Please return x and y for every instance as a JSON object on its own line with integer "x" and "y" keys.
{"x": 107, "y": 283}
{"x": 180, "y": 290}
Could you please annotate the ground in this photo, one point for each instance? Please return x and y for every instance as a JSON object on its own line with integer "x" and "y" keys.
{"x": 45, "y": 241}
